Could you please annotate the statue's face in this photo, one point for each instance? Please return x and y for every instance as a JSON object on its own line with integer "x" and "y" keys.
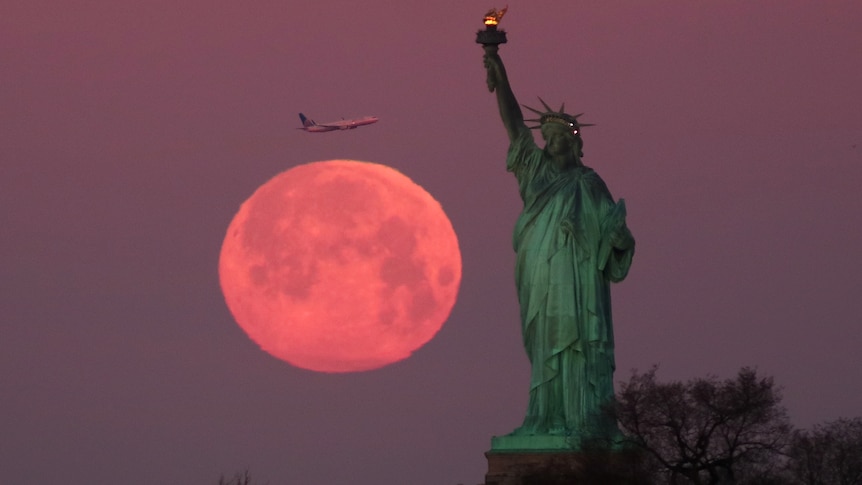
{"x": 559, "y": 140}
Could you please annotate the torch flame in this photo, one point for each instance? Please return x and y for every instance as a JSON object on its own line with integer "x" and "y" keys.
{"x": 493, "y": 16}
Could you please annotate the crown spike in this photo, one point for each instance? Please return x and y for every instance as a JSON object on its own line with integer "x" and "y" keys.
{"x": 533, "y": 110}
{"x": 551, "y": 116}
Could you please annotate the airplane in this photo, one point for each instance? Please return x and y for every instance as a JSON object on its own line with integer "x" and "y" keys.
{"x": 310, "y": 126}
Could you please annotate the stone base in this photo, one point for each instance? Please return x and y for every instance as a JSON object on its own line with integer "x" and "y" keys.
{"x": 561, "y": 467}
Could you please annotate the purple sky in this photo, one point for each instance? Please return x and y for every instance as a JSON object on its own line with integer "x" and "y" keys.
{"x": 132, "y": 131}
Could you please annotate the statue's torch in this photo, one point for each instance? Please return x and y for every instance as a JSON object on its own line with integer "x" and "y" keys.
{"x": 491, "y": 37}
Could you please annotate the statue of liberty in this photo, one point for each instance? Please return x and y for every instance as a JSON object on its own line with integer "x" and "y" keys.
{"x": 571, "y": 242}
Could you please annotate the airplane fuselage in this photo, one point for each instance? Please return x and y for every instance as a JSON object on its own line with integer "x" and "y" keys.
{"x": 312, "y": 127}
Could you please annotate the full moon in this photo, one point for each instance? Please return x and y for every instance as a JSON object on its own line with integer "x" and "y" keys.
{"x": 340, "y": 266}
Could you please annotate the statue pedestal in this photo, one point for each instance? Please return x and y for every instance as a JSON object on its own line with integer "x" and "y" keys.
{"x": 557, "y": 463}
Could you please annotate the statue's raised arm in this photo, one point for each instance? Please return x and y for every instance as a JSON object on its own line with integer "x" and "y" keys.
{"x": 498, "y": 82}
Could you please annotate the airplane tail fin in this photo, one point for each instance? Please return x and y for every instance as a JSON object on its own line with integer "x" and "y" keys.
{"x": 305, "y": 121}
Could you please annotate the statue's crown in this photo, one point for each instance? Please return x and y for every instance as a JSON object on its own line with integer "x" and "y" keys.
{"x": 559, "y": 117}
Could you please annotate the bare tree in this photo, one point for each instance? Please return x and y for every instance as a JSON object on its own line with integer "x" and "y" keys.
{"x": 828, "y": 454}
{"x": 239, "y": 478}
{"x": 705, "y": 431}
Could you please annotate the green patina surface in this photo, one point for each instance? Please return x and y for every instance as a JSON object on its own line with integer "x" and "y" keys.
{"x": 571, "y": 242}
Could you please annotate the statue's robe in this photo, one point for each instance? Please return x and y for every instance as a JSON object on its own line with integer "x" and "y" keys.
{"x": 565, "y": 264}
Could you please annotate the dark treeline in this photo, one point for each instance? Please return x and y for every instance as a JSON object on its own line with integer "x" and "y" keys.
{"x": 732, "y": 431}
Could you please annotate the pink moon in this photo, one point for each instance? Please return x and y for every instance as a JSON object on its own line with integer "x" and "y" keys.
{"x": 340, "y": 266}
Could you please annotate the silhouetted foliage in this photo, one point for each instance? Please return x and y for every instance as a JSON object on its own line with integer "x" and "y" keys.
{"x": 705, "y": 430}
{"x": 828, "y": 454}
{"x": 239, "y": 478}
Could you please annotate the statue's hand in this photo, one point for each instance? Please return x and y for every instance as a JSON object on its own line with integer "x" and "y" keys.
{"x": 494, "y": 67}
